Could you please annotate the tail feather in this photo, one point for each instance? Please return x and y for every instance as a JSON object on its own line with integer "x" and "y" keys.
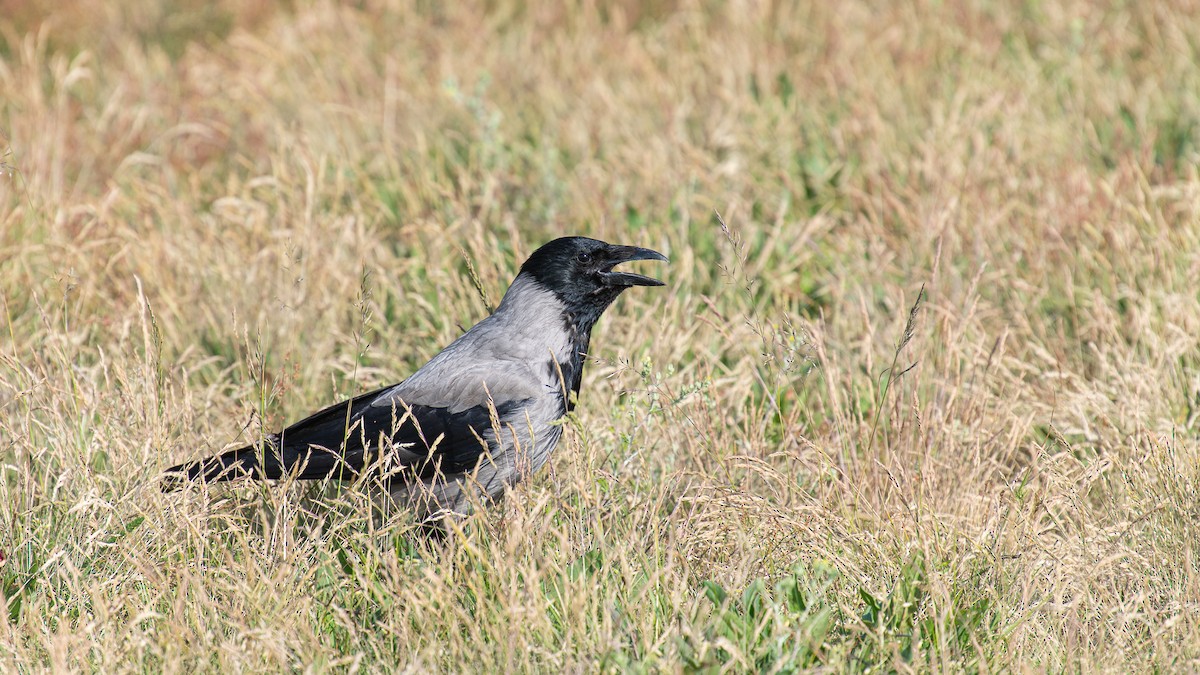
{"x": 229, "y": 465}
{"x": 312, "y": 463}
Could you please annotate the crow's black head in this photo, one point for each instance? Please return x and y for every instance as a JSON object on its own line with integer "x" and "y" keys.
{"x": 580, "y": 272}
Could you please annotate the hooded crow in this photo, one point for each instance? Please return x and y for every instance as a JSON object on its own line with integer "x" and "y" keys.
{"x": 479, "y": 417}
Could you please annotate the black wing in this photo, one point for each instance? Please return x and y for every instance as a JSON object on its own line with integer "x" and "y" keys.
{"x": 342, "y": 440}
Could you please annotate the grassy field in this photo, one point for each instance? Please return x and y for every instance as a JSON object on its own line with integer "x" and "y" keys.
{"x": 216, "y": 217}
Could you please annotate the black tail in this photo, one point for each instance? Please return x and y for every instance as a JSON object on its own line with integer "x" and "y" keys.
{"x": 226, "y": 466}
{"x": 319, "y": 446}
{"x": 310, "y": 463}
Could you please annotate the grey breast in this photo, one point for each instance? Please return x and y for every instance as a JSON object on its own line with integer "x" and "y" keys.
{"x": 507, "y": 358}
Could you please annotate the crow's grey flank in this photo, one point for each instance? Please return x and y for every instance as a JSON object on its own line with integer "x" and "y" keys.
{"x": 482, "y": 415}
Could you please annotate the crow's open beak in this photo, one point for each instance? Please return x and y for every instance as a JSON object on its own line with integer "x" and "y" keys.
{"x": 623, "y": 254}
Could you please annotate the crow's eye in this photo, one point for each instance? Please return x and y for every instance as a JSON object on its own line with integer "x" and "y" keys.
{"x": 584, "y": 257}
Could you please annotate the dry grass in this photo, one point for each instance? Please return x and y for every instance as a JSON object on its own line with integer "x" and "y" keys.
{"x": 216, "y": 217}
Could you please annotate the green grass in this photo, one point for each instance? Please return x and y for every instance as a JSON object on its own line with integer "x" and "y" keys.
{"x": 215, "y": 218}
